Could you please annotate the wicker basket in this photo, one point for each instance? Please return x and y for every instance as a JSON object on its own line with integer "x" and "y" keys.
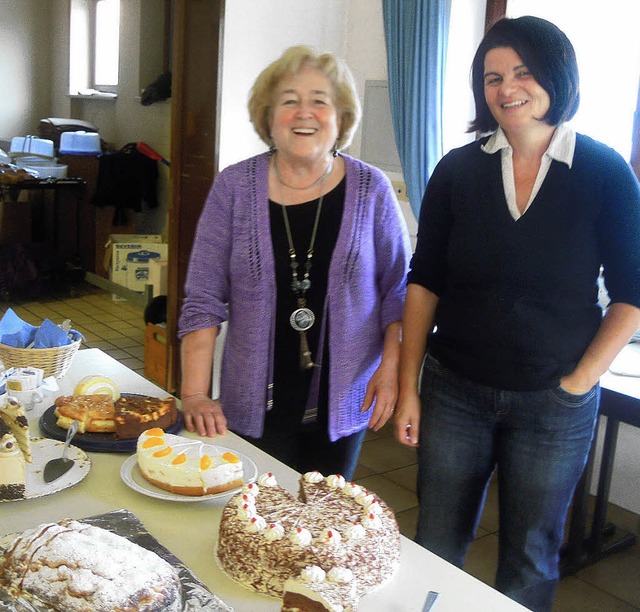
{"x": 54, "y": 361}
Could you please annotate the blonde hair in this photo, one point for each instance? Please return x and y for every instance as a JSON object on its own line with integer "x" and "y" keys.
{"x": 290, "y": 62}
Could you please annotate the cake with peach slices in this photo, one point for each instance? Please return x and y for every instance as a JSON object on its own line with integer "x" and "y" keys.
{"x": 185, "y": 466}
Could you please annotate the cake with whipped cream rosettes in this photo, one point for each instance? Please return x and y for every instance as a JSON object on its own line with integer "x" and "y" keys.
{"x": 318, "y": 591}
{"x": 185, "y": 466}
{"x": 75, "y": 567}
{"x": 267, "y": 536}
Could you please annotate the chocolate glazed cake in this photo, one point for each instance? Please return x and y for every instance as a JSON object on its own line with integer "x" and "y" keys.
{"x": 137, "y": 413}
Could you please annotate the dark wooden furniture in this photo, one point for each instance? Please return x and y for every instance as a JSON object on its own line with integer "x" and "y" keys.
{"x": 65, "y": 227}
{"x": 197, "y": 34}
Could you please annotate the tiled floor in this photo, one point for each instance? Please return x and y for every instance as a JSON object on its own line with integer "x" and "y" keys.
{"x": 385, "y": 467}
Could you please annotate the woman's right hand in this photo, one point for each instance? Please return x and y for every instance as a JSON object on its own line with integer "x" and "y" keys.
{"x": 204, "y": 415}
{"x": 407, "y": 419}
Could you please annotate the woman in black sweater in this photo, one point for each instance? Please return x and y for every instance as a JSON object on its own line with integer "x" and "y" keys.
{"x": 502, "y": 309}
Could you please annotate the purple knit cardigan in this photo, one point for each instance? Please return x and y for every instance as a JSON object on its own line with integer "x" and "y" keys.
{"x": 232, "y": 277}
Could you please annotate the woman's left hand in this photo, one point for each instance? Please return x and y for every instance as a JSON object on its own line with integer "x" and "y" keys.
{"x": 383, "y": 388}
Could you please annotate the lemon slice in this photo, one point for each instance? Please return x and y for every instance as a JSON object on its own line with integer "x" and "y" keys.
{"x": 93, "y": 385}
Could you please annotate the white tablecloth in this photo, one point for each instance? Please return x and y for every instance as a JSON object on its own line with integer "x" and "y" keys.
{"x": 189, "y": 530}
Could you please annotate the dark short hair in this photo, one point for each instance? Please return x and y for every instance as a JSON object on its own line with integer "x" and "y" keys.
{"x": 548, "y": 54}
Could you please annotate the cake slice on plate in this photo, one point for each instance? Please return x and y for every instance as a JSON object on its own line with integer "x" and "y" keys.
{"x": 318, "y": 591}
{"x": 13, "y": 419}
{"x": 12, "y": 468}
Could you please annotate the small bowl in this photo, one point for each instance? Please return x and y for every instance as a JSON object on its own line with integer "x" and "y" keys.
{"x": 44, "y": 169}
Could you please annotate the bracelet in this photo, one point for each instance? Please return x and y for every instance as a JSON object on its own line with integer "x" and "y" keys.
{"x": 194, "y": 395}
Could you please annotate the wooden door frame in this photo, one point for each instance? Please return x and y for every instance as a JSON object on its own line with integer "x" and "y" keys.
{"x": 198, "y": 27}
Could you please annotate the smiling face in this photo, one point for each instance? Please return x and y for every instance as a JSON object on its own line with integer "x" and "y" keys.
{"x": 305, "y": 122}
{"x": 514, "y": 97}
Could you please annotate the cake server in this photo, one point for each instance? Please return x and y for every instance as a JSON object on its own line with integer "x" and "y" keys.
{"x": 60, "y": 466}
{"x": 432, "y": 597}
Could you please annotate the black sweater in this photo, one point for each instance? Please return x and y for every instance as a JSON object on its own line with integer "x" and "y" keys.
{"x": 518, "y": 299}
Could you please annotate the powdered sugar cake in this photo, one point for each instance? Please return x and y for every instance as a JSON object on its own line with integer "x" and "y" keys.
{"x": 267, "y": 536}
{"x": 76, "y": 567}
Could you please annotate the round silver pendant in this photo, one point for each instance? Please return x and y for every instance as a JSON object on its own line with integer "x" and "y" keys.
{"x": 302, "y": 319}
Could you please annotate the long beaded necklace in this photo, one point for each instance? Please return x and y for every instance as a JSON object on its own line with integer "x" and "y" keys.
{"x": 302, "y": 318}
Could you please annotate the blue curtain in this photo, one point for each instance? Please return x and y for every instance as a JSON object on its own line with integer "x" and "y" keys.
{"x": 416, "y": 33}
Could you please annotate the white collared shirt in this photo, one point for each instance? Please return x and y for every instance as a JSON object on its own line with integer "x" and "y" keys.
{"x": 561, "y": 148}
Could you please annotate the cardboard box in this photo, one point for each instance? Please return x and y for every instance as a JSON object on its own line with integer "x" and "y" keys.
{"x": 129, "y": 258}
{"x": 138, "y": 265}
{"x": 155, "y": 353}
{"x": 158, "y": 273}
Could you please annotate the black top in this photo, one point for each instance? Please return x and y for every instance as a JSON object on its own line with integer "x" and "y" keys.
{"x": 519, "y": 299}
{"x": 291, "y": 385}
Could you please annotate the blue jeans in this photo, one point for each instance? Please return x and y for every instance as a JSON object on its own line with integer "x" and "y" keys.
{"x": 538, "y": 442}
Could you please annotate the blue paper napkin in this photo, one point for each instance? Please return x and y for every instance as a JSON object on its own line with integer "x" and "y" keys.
{"x": 14, "y": 331}
{"x": 20, "y": 334}
{"x": 49, "y": 335}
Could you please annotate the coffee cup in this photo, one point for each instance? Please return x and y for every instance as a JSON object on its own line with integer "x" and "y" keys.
{"x": 27, "y": 398}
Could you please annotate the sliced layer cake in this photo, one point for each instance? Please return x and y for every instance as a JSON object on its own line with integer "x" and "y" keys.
{"x": 15, "y": 450}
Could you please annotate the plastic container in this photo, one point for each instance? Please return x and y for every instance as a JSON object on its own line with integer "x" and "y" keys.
{"x": 80, "y": 143}
{"x": 22, "y": 146}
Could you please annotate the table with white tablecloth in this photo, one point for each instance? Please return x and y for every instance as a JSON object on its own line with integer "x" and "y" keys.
{"x": 189, "y": 530}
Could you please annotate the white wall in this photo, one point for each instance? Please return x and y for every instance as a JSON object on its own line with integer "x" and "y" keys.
{"x": 366, "y": 52}
{"x": 255, "y": 34}
{"x": 123, "y": 119}
{"x": 24, "y": 75}
{"x": 465, "y": 33}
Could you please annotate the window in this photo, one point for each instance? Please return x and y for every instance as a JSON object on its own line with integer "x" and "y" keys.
{"x": 106, "y": 47}
{"x": 94, "y": 46}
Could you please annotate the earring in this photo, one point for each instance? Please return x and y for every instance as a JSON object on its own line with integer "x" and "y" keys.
{"x": 272, "y": 147}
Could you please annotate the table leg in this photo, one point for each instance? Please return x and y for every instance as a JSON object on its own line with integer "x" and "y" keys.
{"x": 599, "y": 530}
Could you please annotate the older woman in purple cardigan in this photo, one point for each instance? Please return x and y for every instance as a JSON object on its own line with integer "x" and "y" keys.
{"x": 303, "y": 251}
